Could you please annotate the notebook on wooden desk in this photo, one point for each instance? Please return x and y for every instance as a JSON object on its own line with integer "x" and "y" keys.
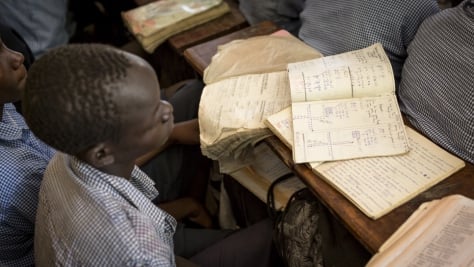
{"x": 200, "y": 56}
{"x": 344, "y": 106}
{"x": 229, "y": 22}
{"x": 439, "y": 233}
{"x": 378, "y": 185}
{"x": 153, "y": 23}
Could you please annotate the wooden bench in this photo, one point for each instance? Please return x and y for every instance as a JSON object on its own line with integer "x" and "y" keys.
{"x": 199, "y": 56}
{"x": 230, "y": 22}
{"x": 168, "y": 57}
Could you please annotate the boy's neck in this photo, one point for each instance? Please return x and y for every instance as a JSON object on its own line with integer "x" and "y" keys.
{"x": 120, "y": 170}
{"x": 108, "y": 164}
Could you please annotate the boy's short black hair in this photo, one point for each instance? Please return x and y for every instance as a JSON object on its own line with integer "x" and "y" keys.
{"x": 69, "y": 96}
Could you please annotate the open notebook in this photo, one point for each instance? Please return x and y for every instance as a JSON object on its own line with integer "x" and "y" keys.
{"x": 377, "y": 185}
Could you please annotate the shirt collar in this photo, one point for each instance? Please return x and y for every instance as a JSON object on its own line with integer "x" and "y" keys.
{"x": 139, "y": 191}
{"x": 93, "y": 176}
{"x": 12, "y": 123}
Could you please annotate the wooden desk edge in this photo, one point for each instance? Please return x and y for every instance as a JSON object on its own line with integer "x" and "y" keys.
{"x": 199, "y": 60}
{"x": 229, "y": 22}
{"x": 372, "y": 233}
{"x": 198, "y": 64}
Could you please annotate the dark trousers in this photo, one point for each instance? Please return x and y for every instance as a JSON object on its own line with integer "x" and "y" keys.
{"x": 251, "y": 246}
{"x": 172, "y": 168}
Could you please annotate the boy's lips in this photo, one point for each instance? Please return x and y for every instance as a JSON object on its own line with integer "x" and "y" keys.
{"x": 21, "y": 85}
{"x": 22, "y": 78}
{"x": 23, "y": 73}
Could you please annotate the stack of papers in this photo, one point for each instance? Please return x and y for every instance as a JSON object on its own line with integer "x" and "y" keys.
{"x": 232, "y": 112}
{"x": 240, "y": 94}
{"x": 153, "y": 23}
{"x": 439, "y": 233}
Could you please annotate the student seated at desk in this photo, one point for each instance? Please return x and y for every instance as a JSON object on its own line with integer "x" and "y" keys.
{"x": 43, "y": 24}
{"x": 95, "y": 204}
{"x": 437, "y": 87}
{"x": 334, "y": 27}
{"x": 23, "y": 159}
{"x": 168, "y": 164}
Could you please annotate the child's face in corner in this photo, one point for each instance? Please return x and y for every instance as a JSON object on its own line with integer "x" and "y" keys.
{"x": 12, "y": 74}
{"x": 148, "y": 120}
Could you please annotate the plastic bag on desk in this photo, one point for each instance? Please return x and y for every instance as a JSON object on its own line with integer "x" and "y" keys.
{"x": 296, "y": 234}
{"x": 261, "y": 54}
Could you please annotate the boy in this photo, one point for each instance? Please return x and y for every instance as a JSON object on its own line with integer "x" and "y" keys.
{"x": 436, "y": 91}
{"x": 94, "y": 206}
{"x": 43, "y": 24}
{"x": 23, "y": 159}
{"x": 334, "y": 27}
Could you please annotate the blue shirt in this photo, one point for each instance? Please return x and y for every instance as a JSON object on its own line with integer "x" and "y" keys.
{"x": 334, "y": 27}
{"x": 90, "y": 218}
{"x": 23, "y": 159}
{"x": 44, "y": 24}
{"x": 284, "y": 13}
{"x": 437, "y": 88}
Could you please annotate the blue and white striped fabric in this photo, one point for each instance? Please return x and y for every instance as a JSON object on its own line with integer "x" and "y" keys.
{"x": 89, "y": 218}
{"x": 43, "y": 24}
{"x": 437, "y": 87}
{"x": 333, "y": 27}
{"x": 23, "y": 159}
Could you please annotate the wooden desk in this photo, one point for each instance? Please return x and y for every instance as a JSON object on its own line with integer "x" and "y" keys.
{"x": 230, "y": 22}
{"x": 168, "y": 60}
{"x": 199, "y": 56}
{"x": 370, "y": 233}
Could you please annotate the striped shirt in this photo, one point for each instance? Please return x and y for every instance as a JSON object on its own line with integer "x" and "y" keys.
{"x": 333, "y": 27}
{"x": 89, "y": 218}
{"x": 437, "y": 87}
{"x": 43, "y": 24}
{"x": 284, "y": 13}
{"x": 23, "y": 159}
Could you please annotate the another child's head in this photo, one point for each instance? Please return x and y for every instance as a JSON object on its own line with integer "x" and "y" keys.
{"x": 95, "y": 100}
{"x": 12, "y": 74}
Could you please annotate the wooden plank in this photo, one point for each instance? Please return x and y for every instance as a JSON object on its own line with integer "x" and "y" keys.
{"x": 230, "y": 22}
{"x": 199, "y": 56}
{"x": 372, "y": 233}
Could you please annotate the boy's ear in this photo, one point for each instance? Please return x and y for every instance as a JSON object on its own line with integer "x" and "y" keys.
{"x": 99, "y": 156}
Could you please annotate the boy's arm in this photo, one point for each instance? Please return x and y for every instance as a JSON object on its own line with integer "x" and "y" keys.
{"x": 188, "y": 208}
{"x": 186, "y": 133}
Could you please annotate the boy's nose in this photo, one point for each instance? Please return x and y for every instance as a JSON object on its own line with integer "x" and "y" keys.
{"x": 167, "y": 111}
{"x": 17, "y": 58}
{"x": 167, "y": 107}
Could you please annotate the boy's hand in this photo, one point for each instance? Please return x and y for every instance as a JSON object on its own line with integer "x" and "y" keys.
{"x": 188, "y": 208}
{"x": 199, "y": 215}
{"x": 186, "y": 133}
